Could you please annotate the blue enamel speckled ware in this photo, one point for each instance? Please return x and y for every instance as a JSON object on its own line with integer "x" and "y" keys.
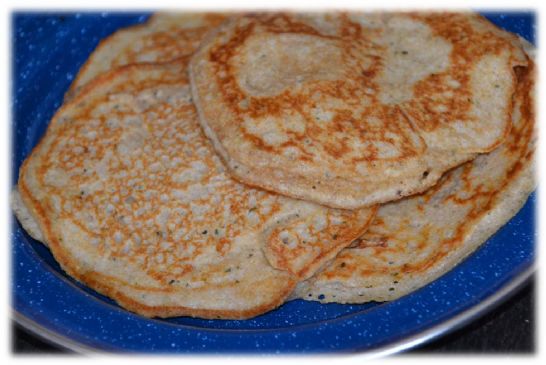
{"x": 47, "y": 53}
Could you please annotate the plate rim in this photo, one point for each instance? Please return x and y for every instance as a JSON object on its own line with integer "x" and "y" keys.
{"x": 438, "y": 330}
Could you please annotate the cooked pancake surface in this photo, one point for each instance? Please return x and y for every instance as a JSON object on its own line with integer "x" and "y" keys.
{"x": 415, "y": 240}
{"x": 164, "y": 37}
{"x": 352, "y": 110}
{"x": 132, "y": 201}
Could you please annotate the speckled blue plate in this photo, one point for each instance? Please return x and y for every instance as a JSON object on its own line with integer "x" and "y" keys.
{"x": 48, "y": 51}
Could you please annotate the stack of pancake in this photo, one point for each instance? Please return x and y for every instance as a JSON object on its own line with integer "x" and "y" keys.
{"x": 217, "y": 166}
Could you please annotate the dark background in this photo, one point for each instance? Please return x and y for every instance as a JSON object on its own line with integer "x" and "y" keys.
{"x": 509, "y": 328}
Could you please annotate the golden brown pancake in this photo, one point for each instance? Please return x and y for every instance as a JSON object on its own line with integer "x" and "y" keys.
{"x": 415, "y": 240}
{"x": 353, "y": 110}
{"x": 164, "y": 37}
{"x": 133, "y": 202}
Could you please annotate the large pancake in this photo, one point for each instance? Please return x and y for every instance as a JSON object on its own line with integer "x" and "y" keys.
{"x": 353, "y": 110}
{"x": 415, "y": 240}
{"x": 164, "y": 37}
{"x": 132, "y": 201}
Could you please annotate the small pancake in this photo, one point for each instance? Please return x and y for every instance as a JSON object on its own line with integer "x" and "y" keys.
{"x": 133, "y": 202}
{"x": 415, "y": 240}
{"x": 164, "y": 37}
{"x": 353, "y": 110}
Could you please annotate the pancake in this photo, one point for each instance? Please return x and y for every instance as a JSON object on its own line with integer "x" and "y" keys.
{"x": 415, "y": 240}
{"x": 133, "y": 202}
{"x": 353, "y": 110}
{"x": 164, "y": 37}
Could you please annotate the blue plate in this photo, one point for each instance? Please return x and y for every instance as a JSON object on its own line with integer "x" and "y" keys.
{"x": 48, "y": 51}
